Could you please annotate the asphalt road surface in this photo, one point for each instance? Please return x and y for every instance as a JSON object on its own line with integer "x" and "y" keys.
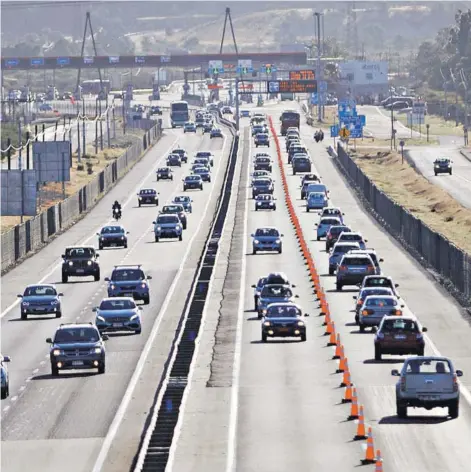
{"x": 286, "y": 414}
{"x": 48, "y": 422}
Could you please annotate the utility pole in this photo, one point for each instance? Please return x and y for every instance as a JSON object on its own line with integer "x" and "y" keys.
{"x": 319, "y": 74}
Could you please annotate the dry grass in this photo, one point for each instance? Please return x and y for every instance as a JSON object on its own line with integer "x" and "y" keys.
{"x": 386, "y": 143}
{"x": 433, "y": 205}
{"x": 438, "y": 125}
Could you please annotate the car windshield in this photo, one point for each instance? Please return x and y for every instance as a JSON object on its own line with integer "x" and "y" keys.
{"x": 380, "y": 302}
{"x": 174, "y": 156}
{"x": 378, "y": 281}
{"x": 283, "y": 311}
{"x": 374, "y": 291}
{"x": 203, "y": 154}
{"x": 192, "y": 177}
{"x": 148, "y": 192}
{"x": 316, "y": 196}
{"x": 342, "y": 248}
{"x": 164, "y": 169}
{"x": 331, "y": 211}
{"x": 40, "y": 290}
{"x": 117, "y": 304}
{"x": 181, "y": 199}
{"x": 172, "y": 209}
{"x": 119, "y": 275}
{"x": 264, "y": 197}
{"x": 267, "y": 232}
{"x": 276, "y": 291}
{"x": 112, "y": 229}
{"x": 167, "y": 219}
{"x": 201, "y": 170}
{"x": 400, "y": 325}
{"x": 356, "y": 261}
{"x": 329, "y": 221}
{"x": 180, "y": 152}
{"x": 428, "y": 366}
{"x": 302, "y": 160}
{"x": 262, "y": 160}
{"x": 80, "y": 252}
{"x": 351, "y": 237}
{"x": 76, "y": 335}
{"x": 261, "y": 182}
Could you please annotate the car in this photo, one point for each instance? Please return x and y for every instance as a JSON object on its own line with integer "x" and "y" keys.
{"x": 201, "y": 162}
{"x": 375, "y": 307}
{"x": 316, "y": 200}
{"x": 245, "y": 114}
{"x": 175, "y": 209}
{"x": 182, "y": 153}
{"x": 262, "y": 185}
{"x": 333, "y": 212}
{"x": 205, "y": 155}
{"x": 374, "y": 258}
{"x": 333, "y": 234}
{"x": 309, "y": 186}
{"x": 80, "y": 261}
{"x": 400, "y": 336}
{"x": 112, "y": 236}
{"x": 363, "y": 293}
{"x": 291, "y": 141}
{"x": 311, "y": 178}
{"x": 427, "y": 382}
{"x": 295, "y": 148}
{"x": 267, "y": 239}
{"x": 164, "y": 173}
{"x": 148, "y": 196}
{"x": 189, "y": 127}
{"x": 77, "y": 346}
{"x": 380, "y": 281}
{"x": 283, "y": 320}
{"x": 41, "y": 299}
{"x": 257, "y": 129}
{"x": 262, "y": 139}
{"x": 4, "y": 377}
{"x": 265, "y": 202}
{"x": 200, "y": 121}
{"x": 207, "y": 127}
{"x": 352, "y": 237}
{"x": 274, "y": 293}
{"x": 118, "y": 314}
{"x": 174, "y": 160}
{"x": 324, "y": 225}
{"x": 301, "y": 163}
{"x": 167, "y": 226}
{"x": 263, "y": 163}
{"x": 226, "y": 111}
{"x": 216, "y": 133}
{"x": 155, "y": 110}
{"x": 129, "y": 281}
{"x": 192, "y": 182}
{"x": 257, "y": 290}
{"x": 261, "y": 154}
{"x": 185, "y": 201}
{"x": 259, "y": 173}
{"x": 203, "y": 172}
{"x": 338, "y": 252}
{"x": 442, "y": 165}
{"x": 352, "y": 269}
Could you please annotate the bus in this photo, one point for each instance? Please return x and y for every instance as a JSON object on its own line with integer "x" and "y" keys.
{"x": 289, "y": 118}
{"x": 179, "y": 113}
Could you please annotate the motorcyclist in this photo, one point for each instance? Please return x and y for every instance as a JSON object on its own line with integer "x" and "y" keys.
{"x": 116, "y": 206}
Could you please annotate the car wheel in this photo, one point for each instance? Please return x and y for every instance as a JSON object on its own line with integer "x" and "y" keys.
{"x": 59, "y": 314}
{"x": 362, "y": 328}
{"x": 377, "y": 353}
{"x": 201, "y": 188}
{"x": 139, "y": 204}
{"x": 357, "y": 319}
{"x": 156, "y": 203}
{"x": 180, "y": 238}
{"x": 184, "y": 189}
{"x": 24, "y": 316}
{"x": 450, "y": 172}
{"x": 401, "y": 410}
{"x": 331, "y": 271}
{"x": 4, "y": 393}
{"x": 264, "y": 338}
{"x": 338, "y": 286}
{"x": 280, "y": 250}
{"x": 454, "y": 409}
{"x": 97, "y": 276}
{"x": 307, "y": 209}
{"x": 100, "y": 247}
{"x": 65, "y": 278}
{"x": 255, "y": 303}
{"x": 54, "y": 371}
{"x": 156, "y": 239}
{"x": 254, "y": 251}
{"x": 125, "y": 245}
{"x": 318, "y": 238}
{"x": 303, "y": 337}
{"x": 184, "y": 226}
{"x": 102, "y": 368}
{"x": 256, "y": 209}
{"x": 259, "y": 315}
{"x": 294, "y": 172}
{"x": 435, "y": 174}
{"x": 421, "y": 352}
{"x": 138, "y": 331}
{"x": 146, "y": 300}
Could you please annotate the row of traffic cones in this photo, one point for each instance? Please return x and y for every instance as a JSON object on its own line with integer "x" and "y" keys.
{"x": 350, "y": 393}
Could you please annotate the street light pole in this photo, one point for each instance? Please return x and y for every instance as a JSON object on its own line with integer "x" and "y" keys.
{"x": 317, "y": 16}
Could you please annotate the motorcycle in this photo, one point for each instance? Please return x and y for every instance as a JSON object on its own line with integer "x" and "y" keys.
{"x": 116, "y": 214}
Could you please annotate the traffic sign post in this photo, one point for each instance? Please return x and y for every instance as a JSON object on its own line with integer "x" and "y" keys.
{"x": 402, "y": 143}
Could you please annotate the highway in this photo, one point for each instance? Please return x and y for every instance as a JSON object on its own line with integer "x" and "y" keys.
{"x": 48, "y": 422}
{"x": 281, "y": 408}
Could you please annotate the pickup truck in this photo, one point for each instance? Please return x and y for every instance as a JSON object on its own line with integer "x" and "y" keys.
{"x": 427, "y": 382}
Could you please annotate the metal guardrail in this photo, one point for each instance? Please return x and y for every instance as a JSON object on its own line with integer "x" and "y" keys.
{"x": 155, "y": 447}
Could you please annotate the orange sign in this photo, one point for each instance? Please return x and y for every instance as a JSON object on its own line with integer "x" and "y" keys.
{"x": 214, "y": 86}
{"x": 302, "y": 75}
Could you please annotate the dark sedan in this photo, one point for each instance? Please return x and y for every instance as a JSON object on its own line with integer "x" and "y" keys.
{"x": 283, "y": 320}
{"x": 148, "y": 196}
{"x": 112, "y": 236}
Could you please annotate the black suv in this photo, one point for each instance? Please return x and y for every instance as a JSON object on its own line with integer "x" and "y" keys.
{"x": 80, "y": 261}
{"x": 77, "y": 346}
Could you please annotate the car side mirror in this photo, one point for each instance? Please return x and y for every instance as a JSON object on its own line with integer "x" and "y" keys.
{"x": 365, "y": 240}
{"x": 127, "y": 232}
{"x": 395, "y": 373}
{"x": 105, "y": 337}
{"x": 98, "y": 234}
{"x": 107, "y": 279}
{"x": 402, "y": 306}
{"x": 153, "y": 222}
{"x": 396, "y": 285}
{"x": 20, "y": 296}
{"x": 139, "y": 308}
{"x": 94, "y": 309}
{"x": 6, "y": 359}
{"x": 306, "y": 314}
{"x": 97, "y": 255}
{"x": 292, "y": 285}
{"x": 354, "y": 297}
{"x": 252, "y": 235}
{"x": 296, "y": 296}
{"x": 63, "y": 256}
{"x": 381, "y": 260}
{"x": 60, "y": 294}
{"x": 424, "y": 329}
{"x": 254, "y": 286}
{"x": 149, "y": 277}
{"x": 459, "y": 373}
{"x": 49, "y": 340}
{"x": 317, "y": 224}
{"x": 343, "y": 214}
{"x": 374, "y": 329}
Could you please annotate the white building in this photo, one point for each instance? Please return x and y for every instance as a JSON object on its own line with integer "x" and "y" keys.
{"x": 365, "y": 77}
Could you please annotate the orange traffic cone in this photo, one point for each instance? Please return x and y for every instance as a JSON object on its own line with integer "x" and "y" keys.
{"x": 347, "y": 397}
{"x": 370, "y": 449}
{"x": 379, "y": 462}
{"x": 329, "y": 328}
{"x": 346, "y": 375}
{"x": 338, "y": 348}
{"x": 354, "y": 408}
{"x": 361, "y": 433}
{"x": 327, "y": 319}
{"x": 332, "y": 339}
{"x": 341, "y": 367}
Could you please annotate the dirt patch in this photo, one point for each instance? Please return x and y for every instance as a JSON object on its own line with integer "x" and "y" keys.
{"x": 434, "y": 206}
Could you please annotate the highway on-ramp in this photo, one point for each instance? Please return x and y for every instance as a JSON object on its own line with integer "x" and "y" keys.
{"x": 48, "y": 422}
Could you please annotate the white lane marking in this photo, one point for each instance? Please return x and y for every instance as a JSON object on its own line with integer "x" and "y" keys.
{"x": 110, "y": 435}
{"x": 234, "y": 406}
{"x": 7, "y": 408}
{"x": 186, "y": 393}
{"x": 22, "y": 388}
{"x": 93, "y": 234}
{"x": 13, "y": 399}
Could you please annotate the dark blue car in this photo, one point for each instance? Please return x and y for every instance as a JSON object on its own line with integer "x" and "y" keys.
{"x": 40, "y": 300}
{"x": 118, "y": 314}
{"x": 129, "y": 281}
{"x": 112, "y": 236}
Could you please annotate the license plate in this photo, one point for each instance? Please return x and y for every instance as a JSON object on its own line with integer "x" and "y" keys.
{"x": 117, "y": 325}
{"x": 77, "y": 362}
{"x": 428, "y": 397}
{"x": 80, "y": 271}
{"x": 127, "y": 294}
{"x": 400, "y": 337}
{"x": 283, "y": 330}
{"x": 113, "y": 244}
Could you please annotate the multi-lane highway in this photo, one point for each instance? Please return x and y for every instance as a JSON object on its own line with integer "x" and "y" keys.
{"x": 281, "y": 409}
{"x": 48, "y": 422}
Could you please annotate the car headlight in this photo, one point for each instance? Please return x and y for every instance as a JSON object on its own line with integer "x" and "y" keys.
{"x": 143, "y": 285}
{"x": 102, "y": 238}
{"x": 158, "y": 228}
{"x": 278, "y": 241}
{"x": 122, "y": 237}
{"x": 266, "y": 323}
{"x": 71, "y": 263}
{"x": 300, "y": 323}
{"x": 134, "y": 317}
{"x": 54, "y": 302}
{"x": 98, "y": 317}
{"x": 264, "y": 311}
{"x": 56, "y": 352}
{"x": 89, "y": 263}
{"x": 25, "y": 303}
{"x": 112, "y": 287}
{"x": 140, "y": 198}
{"x": 179, "y": 226}
{"x": 259, "y": 203}
{"x": 271, "y": 203}
{"x": 256, "y": 241}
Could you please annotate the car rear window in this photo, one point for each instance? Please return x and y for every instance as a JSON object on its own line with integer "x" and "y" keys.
{"x": 356, "y": 261}
{"x": 166, "y": 219}
{"x": 40, "y": 290}
{"x": 428, "y": 366}
{"x": 351, "y": 237}
{"x": 342, "y": 249}
{"x": 378, "y": 282}
{"x": 127, "y": 274}
{"x": 277, "y": 291}
{"x": 381, "y": 302}
{"x": 329, "y": 221}
{"x": 335, "y": 231}
{"x": 400, "y": 325}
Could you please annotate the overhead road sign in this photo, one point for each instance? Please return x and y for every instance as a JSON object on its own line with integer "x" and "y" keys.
{"x": 302, "y": 75}
{"x": 244, "y": 66}
{"x": 334, "y": 131}
{"x": 322, "y": 86}
{"x": 216, "y": 67}
{"x": 292, "y": 86}
{"x": 268, "y": 69}
{"x": 353, "y": 121}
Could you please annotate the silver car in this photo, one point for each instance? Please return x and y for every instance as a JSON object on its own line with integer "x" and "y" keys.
{"x": 375, "y": 307}
{"x": 274, "y": 293}
{"x": 5, "y": 380}
{"x": 427, "y": 382}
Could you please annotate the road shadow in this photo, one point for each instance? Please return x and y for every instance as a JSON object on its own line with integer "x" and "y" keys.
{"x": 36, "y": 318}
{"x": 120, "y": 334}
{"x": 75, "y": 282}
{"x": 393, "y": 419}
{"x": 349, "y": 290}
{"x": 359, "y": 332}
{"x": 351, "y": 324}
{"x": 64, "y": 375}
{"x": 384, "y": 361}
{"x": 253, "y": 318}
{"x": 277, "y": 341}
